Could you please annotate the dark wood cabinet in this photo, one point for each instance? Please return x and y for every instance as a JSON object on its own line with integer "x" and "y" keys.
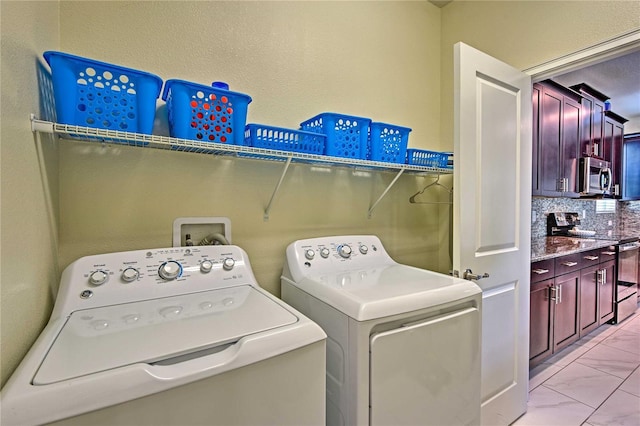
{"x": 566, "y": 328}
{"x": 589, "y": 303}
{"x": 612, "y": 140}
{"x": 557, "y": 121}
{"x": 631, "y": 167}
{"x": 592, "y": 119}
{"x": 541, "y": 321}
{"x": 606, "y": 291}
{"x": 570, "y": 297}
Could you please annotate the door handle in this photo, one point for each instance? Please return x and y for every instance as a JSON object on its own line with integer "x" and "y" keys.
{"x": 469, "y": 275}
{"x": 591, "y": 257}
{"x": 600, "y": 274}
{"x": 554, "y": 294}
{"x": 569, "y": 264}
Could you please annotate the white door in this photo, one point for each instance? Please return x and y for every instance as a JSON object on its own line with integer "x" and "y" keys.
{"x": 492, "y": 210}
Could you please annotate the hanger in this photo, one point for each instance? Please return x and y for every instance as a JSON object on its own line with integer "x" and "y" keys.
{"x": 437, "y": 183}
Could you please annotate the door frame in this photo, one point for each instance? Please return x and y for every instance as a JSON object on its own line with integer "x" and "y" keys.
{"x": 600, "y": 52}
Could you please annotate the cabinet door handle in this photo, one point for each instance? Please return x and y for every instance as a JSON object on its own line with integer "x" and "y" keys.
{"x": 554, "y": 294}
{"x": 570, "y": 264}
{"x": 600, "y": 274}
{"x": 609, "y": 253}
{"x": 592, "y": 257}
{"x": 604, "y": 276}
{"x": 559, "y": 294}
{"x": 616, "y": 189}
{"x": 540, "y": 271}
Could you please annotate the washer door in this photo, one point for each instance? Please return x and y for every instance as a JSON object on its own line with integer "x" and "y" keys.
{"x": 109, "y": 337}
{"x": 427, "y": 372}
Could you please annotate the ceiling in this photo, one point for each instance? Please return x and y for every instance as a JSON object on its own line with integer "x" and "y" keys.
{"x": 618, "y": 78}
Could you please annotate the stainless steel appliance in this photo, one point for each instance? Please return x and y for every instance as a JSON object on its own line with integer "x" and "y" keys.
{"x": 627, "y": 287}
{"x": 594, "y": 176}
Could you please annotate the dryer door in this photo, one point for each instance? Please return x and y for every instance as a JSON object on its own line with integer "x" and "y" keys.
{"x": 427, "y": 372}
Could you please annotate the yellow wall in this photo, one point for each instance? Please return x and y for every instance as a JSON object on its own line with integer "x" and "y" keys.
{"x": 385, "y": 60}
{"x": 29, "y": 202}
{"x": 296, "y": 59}
{"x": 526, "y": 33}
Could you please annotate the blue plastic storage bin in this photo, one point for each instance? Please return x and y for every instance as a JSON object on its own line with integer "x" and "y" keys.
{"x": 96, "y": 94}
{"x": 347, "y": 136}
{"x": 206, "y": 113}
{"x": 388, "y": 142}
{"x": 270, "y": 137}
{"x": 421, "y": 157}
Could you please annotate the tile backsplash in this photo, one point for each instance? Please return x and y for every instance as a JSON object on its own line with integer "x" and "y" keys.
{"x": 629, "y": 213}
{"x": 626, "y": 218}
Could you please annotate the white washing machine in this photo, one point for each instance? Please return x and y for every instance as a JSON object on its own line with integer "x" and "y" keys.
{"x": 403, "y": 344}
{"x": 173, "y": 336}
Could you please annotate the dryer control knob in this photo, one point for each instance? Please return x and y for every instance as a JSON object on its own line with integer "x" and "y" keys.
{"x": 324, "y": 252}
{"x": 309, "y": 254}
{"x": 228, "y": 264}
{"x": 344, "y": 250}
{"x": 130, "y": 274}
{"x": 364, "y": 249}
{"x": 170, "y": 270}
{"x": 206, "y": 266}
{"x": 98, "y": 278}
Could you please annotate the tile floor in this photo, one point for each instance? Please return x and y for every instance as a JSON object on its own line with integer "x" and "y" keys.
{"x": 595, "y": 381}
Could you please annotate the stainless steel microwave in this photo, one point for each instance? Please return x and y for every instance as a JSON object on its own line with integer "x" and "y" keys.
{"x": 595, "y": 176}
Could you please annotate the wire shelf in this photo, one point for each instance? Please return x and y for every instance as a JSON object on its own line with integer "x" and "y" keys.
{"x": 102, "y": 136}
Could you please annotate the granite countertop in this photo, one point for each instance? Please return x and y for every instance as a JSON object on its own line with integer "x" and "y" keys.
{"x": 551, "y": 247}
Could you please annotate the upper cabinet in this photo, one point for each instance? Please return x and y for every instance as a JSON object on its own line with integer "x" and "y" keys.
{"x": 592, "y": 125}
{"x": 570, "y": 123}
{"x": 556, "y": 142}
{"x": 612, "y": 139}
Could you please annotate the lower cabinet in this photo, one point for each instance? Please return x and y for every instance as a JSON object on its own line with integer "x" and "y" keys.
{"x": 566, "y": 297}
{"x": 607, "y": 289}
{"x": 570, "y": 297}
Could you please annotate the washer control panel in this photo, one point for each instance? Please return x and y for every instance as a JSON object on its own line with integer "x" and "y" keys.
{"x": 116, "y": 278}
{"x": 331, "y": 254}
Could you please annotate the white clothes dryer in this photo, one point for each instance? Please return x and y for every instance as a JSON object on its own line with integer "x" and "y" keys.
{"x": 403, "y": 344}
{"x": 174, "y": 336}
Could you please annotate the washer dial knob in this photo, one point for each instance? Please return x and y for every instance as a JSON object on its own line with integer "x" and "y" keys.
{"x": 309, "y": 254}
{"x": 364, "y": 249}
{"x": 324, "y": 252}
{"x": 170, "y": 270}
{"x": 130, "y": 274}
{"x": 228, "y": 264}
{"x": 344, "y": 250}
{"x": 98, "y": 278}
{"x": 206, "y": 266}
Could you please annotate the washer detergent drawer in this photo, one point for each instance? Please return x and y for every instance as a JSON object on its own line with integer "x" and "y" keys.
{"x": 427, "y": 372}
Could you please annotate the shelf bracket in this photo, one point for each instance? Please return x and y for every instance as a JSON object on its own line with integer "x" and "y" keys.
{"x": 39, "y": 126}
{"x": 384, "y": 193}
{"x": 277, "y": 188}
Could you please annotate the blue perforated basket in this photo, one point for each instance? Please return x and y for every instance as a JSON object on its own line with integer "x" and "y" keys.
{"x": 97, "y": 94}
{"x": 388, "y": 142}
{"x": 347, "y": 135}
{"x": 206, "y": 113}
{"x": 270, "y": 137}
{"x": 421, "y": 157}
